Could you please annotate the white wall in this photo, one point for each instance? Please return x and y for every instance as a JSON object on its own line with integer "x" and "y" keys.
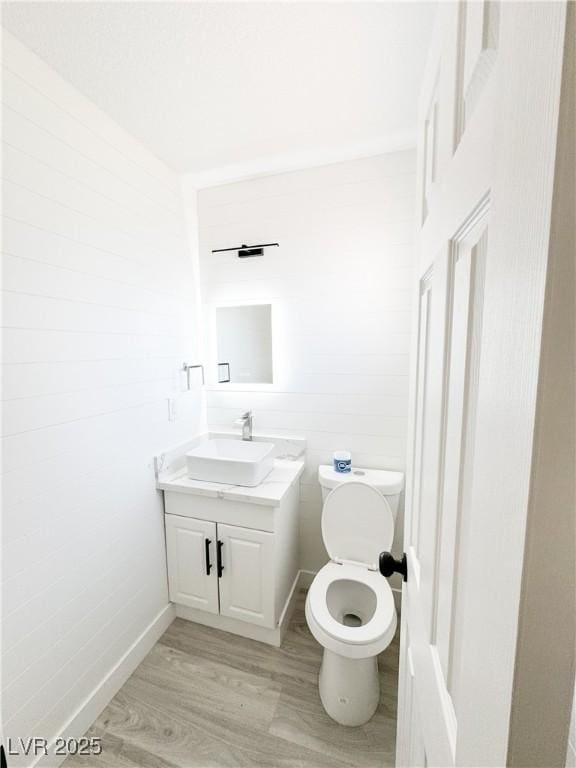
{"x": 98, "y": 318}
{"x": 341, "y": 286}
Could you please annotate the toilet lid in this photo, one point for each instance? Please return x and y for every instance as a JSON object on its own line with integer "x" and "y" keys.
{"x": 357, "y": 523}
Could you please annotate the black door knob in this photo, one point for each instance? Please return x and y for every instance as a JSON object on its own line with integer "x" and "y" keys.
{"x": 389, "y": 565}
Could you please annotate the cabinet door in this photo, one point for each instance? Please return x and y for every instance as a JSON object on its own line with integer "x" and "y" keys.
{"x": 191, "y": 548}
{"x": 247, "y": 577}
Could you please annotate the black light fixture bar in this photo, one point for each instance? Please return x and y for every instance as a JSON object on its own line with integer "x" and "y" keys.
{"x": 244, "y": 247}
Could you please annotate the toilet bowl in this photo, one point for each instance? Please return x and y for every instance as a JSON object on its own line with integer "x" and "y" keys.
{"x": 350, "y": 607}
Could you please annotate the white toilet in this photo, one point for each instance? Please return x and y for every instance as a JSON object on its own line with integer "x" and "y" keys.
{"x": 349, "y": 608}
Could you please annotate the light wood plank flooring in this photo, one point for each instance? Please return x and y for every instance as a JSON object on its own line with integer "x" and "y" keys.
{"x": 204, "y": 699}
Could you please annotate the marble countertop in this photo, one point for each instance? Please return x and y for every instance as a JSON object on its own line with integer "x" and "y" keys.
{"x": 171, "y": 473}
{"x": 270, "y": 492}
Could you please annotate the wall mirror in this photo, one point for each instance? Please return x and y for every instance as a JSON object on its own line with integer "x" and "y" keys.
{"x": 244, "y": 344}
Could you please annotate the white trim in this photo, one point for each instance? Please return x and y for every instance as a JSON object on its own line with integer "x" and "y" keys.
{"x": 290, "y": 603}
{"x": 571, "y": 756}
{"x": 306, "y": 578}
{"x": 107, "y": 688}
{"x": 296, "y": 162}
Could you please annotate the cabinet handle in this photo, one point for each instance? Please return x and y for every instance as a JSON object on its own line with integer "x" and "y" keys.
{"x": 207, "y": 543}
{"x": 219, "y": 566}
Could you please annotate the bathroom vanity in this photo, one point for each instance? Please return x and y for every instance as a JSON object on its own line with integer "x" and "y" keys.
{"x": 232, "y": 550}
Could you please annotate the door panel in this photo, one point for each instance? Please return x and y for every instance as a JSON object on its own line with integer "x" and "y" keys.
{"x": 477, "y": 46}
{"x": 457, "y": 471}
{"x": 477, "y": 319}
{"x": 188, "y": 578}
{"x": 465, "y": 329}
{"x": 446, "y": 384}
{"x": 430, "y": 151}
{"x": 247, "y": 581}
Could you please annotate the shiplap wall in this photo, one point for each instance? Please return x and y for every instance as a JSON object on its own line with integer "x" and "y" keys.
{"x": 98, "y": 317}
{"x": 341, "y": 287}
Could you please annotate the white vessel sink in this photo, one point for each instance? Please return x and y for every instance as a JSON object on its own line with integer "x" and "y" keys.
{"x": 233, "y": 462}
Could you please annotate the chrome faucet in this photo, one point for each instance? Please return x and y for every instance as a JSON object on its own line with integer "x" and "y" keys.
{"x": 246, "y": 423}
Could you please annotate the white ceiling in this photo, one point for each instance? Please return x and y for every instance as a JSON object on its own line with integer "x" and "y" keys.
{"x": 220, "y": 89}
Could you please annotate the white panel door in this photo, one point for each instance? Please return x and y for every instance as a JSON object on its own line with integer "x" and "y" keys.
{"x": 246, "y": 561}
{"x": 486, "y": 162}
{"x": 191, "y": 550}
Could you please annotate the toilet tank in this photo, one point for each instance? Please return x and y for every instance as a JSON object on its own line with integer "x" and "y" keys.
{"x": 388, "y": 482}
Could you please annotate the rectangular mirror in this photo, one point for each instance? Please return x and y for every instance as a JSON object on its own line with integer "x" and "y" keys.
{"x": 244, "y": 344}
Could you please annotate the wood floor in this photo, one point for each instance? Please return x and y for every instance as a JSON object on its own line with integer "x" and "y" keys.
{"x": 204, "y": 698}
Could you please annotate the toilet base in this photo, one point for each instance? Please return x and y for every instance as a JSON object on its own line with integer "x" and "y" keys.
{"x": 349, "y": 688}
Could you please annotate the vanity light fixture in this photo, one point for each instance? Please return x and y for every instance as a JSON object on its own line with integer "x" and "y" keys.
{"x": 247, "y": 251}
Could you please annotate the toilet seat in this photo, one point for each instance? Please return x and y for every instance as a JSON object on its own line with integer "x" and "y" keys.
{"x": 357, "y": 524}
{"x": 367, "y": 640}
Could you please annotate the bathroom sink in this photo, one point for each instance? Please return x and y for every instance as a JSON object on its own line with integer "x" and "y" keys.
{"x": 233, "y": 462}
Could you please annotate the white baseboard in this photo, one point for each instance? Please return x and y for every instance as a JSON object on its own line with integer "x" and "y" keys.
{"x": 306, "y": 578}
{"x": 289, "y": 606}
{"x": 98, "y": 699}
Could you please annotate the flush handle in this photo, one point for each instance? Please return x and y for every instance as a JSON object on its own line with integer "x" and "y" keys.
{"x": 389, "y": 565}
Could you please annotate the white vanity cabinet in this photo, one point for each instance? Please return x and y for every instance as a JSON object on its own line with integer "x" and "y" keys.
{"x": 233, "y": 564}
{"x": 190, "y": 550}
{"x": 221, "y": 569}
